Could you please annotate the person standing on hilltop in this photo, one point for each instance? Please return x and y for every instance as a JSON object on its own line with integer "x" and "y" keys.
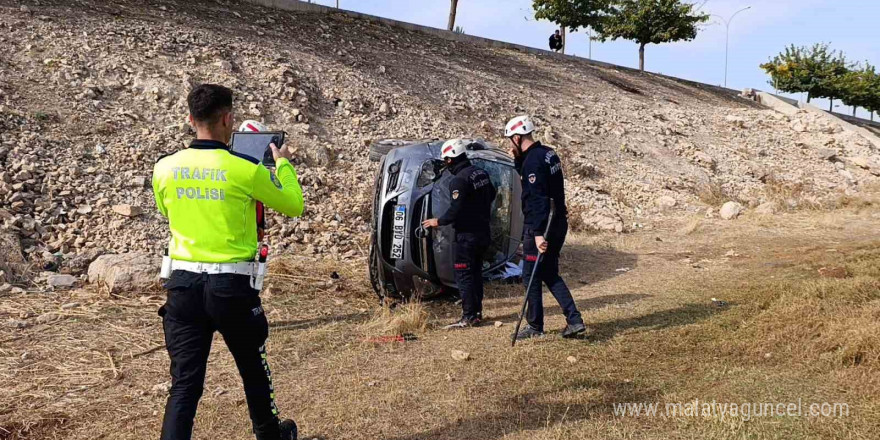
{"x": 542, "y": 181}
{"x": 209, "y": 195}
{"x": 556, "y": 41}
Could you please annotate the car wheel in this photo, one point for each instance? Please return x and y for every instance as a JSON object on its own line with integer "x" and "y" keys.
{"x": 383, "y": 147}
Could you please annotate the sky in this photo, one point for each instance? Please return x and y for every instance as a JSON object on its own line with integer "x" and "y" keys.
{"x": 851, "y": 26}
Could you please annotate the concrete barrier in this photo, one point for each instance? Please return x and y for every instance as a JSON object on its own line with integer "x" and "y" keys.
{"x": 778, "y": 103}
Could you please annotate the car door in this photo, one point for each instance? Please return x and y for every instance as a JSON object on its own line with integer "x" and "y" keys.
{"x": 442, "y": 238}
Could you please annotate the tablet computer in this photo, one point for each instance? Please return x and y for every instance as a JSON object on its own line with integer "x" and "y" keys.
{"x": 256, "y": 145}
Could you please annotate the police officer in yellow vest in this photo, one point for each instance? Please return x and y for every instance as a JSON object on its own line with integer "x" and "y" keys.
{"x": 209, "y": 195}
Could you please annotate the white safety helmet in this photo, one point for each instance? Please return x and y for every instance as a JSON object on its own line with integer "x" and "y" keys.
{"x": 252, "y": 125}
{"x": 453, "y": 148}
{"x": 521, "y": 125}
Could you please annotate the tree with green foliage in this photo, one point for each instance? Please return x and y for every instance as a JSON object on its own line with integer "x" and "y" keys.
{"x": 856, "y": 87}
{"x": 815, "y": 71}
{"x": 651, "y": 22}
{"x": 643, "y": 21}
{"x": 573, "y": 14}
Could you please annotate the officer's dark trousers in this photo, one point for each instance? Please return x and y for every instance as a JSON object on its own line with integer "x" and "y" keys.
{"x": 198, "y": 305}
{"x": 548, "y": 273}
{"x": 469, "y": 250}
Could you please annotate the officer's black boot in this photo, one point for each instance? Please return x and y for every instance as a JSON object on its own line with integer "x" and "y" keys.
{"x": 528, "y": 333}
{"x": 464, "y": 322}
{"x": 289, "y": 430}
{"x": 574, "y": 330}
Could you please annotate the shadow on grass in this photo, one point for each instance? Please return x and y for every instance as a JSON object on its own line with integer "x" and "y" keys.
{"x": 578, "y": 265}
{"x": 538, "y": 410}
{"x": 684, "y": 315}
{"x": 593, "y": 303}
{"x": 302, "y": 324}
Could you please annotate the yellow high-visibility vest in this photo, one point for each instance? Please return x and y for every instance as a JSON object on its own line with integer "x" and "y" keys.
{"x": 209, "y": 194}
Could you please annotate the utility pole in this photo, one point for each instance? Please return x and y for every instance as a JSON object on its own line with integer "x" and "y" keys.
{"x": 727, "y": 38}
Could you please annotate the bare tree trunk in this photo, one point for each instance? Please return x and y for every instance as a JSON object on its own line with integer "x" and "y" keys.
{"x": 563, "y": 38}
{"x": 453, "y": 8}
{"x": 642, "y": 57}
{"x": 854, "y": 111}
{"x": 831, "y": 105}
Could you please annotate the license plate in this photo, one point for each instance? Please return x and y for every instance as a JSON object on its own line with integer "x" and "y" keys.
{"x": 398, "y": 232}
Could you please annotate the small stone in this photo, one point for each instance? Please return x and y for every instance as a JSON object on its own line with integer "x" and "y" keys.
{"x": 127, "y": 210}
{"x": 766, "y": 208}
{"x": 224, "y": 65}
{"x": 736, "y": 121}
{"x": 60, "y": 280}
{"x": 46, "y": 318}
{"x": 498, "y": 324}
{"x": 731, "y": 210}
{"x": 665, "y": 202}
{"x": 571, "y": 360}
{"x": 137, "y": 182}
{"x": 162, "y": 388}
{"x": 827, "y": 154}
{"x": 861, "y": 162}
{"x": 460, "y": 355}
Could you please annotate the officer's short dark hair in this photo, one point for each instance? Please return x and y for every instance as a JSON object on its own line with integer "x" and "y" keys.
{"x": 208, "y": 102}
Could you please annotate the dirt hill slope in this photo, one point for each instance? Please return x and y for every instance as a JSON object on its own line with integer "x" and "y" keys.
{"x": 93, "y": 92}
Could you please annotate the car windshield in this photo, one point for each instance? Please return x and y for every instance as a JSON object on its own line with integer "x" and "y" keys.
{"x": 502, "y": 177}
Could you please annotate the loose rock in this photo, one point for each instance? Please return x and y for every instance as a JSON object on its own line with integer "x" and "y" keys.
{"x": 730, "y": 210}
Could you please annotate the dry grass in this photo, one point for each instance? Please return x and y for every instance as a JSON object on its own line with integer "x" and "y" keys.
{"x": 690, "y": 227}
{"x": 713, "y": 194}
{"x": 790, "y": 196}
{"x": 408, "y": 318}
{"x": 654, "y": 337}
{"x": 829, "y": 322}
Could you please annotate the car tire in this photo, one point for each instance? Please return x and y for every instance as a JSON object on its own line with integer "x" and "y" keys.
{"x": 379, "y": 149}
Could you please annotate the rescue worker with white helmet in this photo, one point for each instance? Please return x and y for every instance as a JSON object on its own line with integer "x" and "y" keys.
{"x": 209, "y": 195}
{"x": 471, "y": 195}
{"x": 542, "y": 180}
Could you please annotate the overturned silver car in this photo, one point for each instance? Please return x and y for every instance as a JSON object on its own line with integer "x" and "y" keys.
{"x": 412, "y": 185}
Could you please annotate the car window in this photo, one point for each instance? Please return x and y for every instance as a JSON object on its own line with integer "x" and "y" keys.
{"x": 430, "y": 171}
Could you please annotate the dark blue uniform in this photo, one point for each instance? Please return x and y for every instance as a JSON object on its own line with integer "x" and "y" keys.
{"x": 470, "y": 212}
{"x": 542, "y": 180}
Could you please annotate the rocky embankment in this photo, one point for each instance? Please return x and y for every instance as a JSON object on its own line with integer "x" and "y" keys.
{"x": 93, "y": 92}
